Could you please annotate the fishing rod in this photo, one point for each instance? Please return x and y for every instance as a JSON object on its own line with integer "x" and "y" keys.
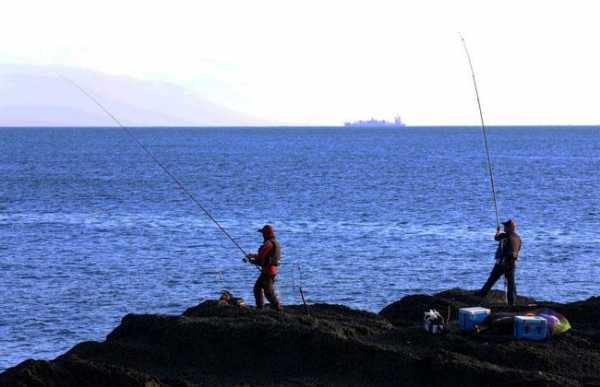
{"x": 161, "y": 165}
{"x": 484, "y": 133}
{"x": 302, "y": 291}
{"x": 487, "y": 150}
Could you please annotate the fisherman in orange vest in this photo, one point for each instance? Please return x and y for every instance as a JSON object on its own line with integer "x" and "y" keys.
{"x": 267, "y": 258}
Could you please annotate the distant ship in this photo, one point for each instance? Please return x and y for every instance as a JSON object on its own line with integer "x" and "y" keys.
{"x": 373, "y": 123}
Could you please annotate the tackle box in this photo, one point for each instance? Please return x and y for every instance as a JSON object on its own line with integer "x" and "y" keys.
{"x": 469, "y": 317}
{"x": 531, "y": 328}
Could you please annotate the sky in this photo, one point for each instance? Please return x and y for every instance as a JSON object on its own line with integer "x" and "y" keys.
{"x": 325, "y": 62}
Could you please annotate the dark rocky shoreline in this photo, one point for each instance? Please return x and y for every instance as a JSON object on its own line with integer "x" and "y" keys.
{"x": 222, "y": 345}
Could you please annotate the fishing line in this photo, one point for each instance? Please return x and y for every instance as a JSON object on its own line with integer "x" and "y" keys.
{"x": 484, "y": 133}
{"x": 161, "y": 165}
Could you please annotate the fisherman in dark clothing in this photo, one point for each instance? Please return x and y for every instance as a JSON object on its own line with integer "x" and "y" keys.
{"x": 267, "y": 259}
{"x": 506, "y": 260}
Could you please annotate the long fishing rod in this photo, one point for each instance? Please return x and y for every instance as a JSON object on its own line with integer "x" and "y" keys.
{"x": 487, "y": 151}
{"x": 161, "y": 165}
{"x": 484, "y": 133}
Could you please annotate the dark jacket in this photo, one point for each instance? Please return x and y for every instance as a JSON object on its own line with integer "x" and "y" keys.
{"x": 508, "y": 248}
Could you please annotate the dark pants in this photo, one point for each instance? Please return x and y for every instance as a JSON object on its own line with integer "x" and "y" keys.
{"x": 498, "y": 271}
{"x": 264, "y": 283}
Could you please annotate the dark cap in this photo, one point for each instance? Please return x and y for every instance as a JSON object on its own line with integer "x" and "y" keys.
{"x": 510, "y": 222}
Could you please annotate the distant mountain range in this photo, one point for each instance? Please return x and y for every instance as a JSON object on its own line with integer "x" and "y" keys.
{"x": 37, "y": 96}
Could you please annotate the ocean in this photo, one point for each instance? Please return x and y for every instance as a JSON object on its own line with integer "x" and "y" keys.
{"x": 91, "y": 229}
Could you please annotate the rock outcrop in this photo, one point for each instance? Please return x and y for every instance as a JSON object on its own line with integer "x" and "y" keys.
{"x": 222, "y": 345}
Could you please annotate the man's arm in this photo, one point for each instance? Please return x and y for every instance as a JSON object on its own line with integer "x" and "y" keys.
{"x": 500, "y": 235}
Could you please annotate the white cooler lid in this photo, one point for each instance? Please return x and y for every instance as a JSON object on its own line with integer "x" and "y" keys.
{"x": 530, "y": 318}
{"x": 474, "y": 309}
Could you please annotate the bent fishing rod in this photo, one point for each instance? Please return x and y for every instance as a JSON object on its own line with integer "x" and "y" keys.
{"x": 161, "y": 165}
{"x": 484, "y": 133}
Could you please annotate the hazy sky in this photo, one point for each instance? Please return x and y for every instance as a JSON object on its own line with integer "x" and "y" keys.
{"x": 537, "y": 62}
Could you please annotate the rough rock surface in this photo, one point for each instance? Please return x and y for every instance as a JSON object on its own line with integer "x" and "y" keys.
{"x": 223, "y": 345}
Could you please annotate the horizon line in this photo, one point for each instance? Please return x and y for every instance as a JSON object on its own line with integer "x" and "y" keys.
{"x": 296, "y": 126}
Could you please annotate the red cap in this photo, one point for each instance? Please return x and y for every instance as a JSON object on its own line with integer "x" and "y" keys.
{"x": 267, "y": 231}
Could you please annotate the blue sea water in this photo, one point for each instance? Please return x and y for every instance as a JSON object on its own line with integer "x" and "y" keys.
{"x": 92, "y": 229}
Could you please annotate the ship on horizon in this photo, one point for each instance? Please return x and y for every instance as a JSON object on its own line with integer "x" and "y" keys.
{"x": 373, "y": 123}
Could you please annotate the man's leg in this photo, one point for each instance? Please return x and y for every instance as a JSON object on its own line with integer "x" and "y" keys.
{"x": 258, "y": 291}
{"x": 511, "y": 291}
{"x": 270, "y": 292}
{"x": 496, "y": 273}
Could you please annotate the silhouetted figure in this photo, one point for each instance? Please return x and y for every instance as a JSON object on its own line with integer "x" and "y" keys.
{"x": 506, "y": 260}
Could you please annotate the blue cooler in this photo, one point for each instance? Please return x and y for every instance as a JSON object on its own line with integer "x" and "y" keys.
{"x": 469, "y": 317}
{"x": 531, "y": 328}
